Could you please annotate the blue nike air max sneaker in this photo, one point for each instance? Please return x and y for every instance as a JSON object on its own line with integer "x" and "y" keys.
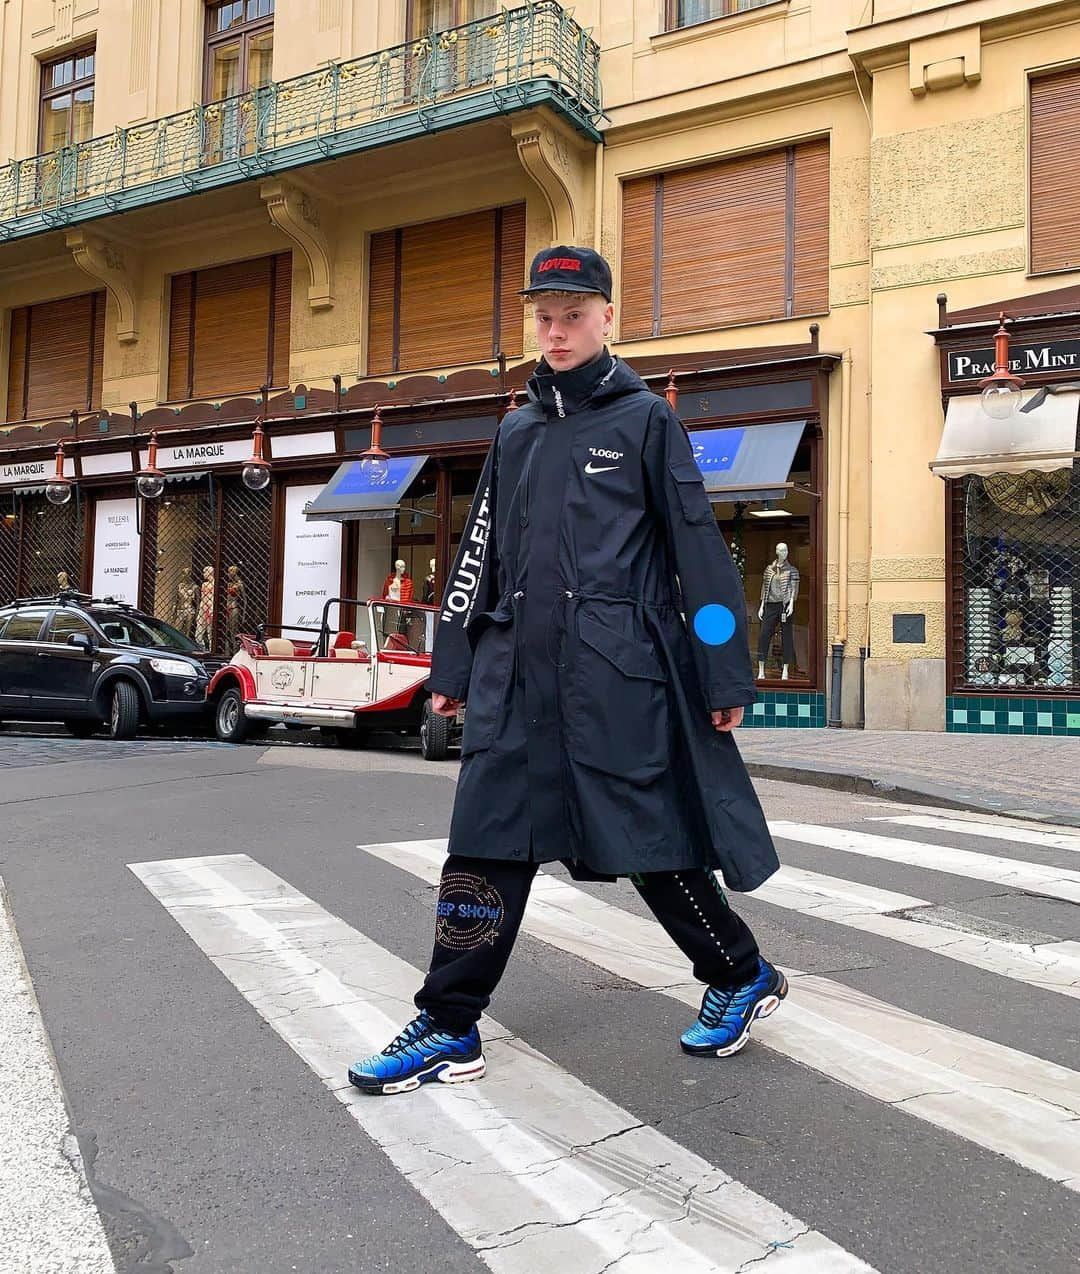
{"x": 420, "y": 1054}
{"x": 727, "y": 1013}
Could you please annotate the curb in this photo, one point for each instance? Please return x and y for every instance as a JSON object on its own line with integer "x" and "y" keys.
{"x": 865, "y": 785}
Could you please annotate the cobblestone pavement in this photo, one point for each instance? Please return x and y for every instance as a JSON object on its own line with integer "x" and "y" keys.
{"x": 1035, "y": 776}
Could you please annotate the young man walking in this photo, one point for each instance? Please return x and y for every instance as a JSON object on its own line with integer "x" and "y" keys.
{"x": 595, "y": 625}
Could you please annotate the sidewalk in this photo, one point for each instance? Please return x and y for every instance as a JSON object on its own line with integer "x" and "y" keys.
{"x": 1023, "y": 775}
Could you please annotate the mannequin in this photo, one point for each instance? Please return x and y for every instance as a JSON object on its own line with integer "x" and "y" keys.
{"x": 779, "y": 589}
{"x": 234, "y": 604}
{"x": 429, "y": 584}
{"x": 399, "y": 586}
{"x": 204, "y": 624}
{"x": 62, "y": 581}
{"x": 184, "y": 610}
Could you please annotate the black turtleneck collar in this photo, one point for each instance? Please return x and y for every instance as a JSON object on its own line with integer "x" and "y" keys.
{"x": 562, "y": 393}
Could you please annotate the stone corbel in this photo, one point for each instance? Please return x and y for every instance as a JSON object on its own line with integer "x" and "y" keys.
{"x": 108, "y": 263}
{"x": 296, "y": 214}
{"x": 945, "y": 61}
{"x": 560, "y": 163}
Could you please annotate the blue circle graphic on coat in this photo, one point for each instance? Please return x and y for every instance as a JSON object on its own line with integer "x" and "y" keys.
{"x": 714, "y": 624}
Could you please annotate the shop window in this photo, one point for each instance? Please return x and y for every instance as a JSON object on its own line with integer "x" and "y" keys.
{"x": 741, "y": 241}
{"x": 1054, "y": 176}
{"x": 66, "y": 111}
{"x": 55, "y": 357}
{"x": 41, "y": 546}
{"x": 752, "y": 530}
{"x": 444, "y": 293}
{"x": 1015, "y": 581}
{"x": 414, "y": 536}
{"x": 688, "y": 13}
{"x": 229, "y": 328}
{"x": 206, "y": 559}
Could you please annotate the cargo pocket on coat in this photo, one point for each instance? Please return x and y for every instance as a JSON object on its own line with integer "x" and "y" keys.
{"x": 617, "y": 719}
{"x": 492, "y": 636}
{"x": 695, "y": 505}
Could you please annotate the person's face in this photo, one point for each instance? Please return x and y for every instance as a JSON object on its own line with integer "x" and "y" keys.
{"x": 571, "y": 330}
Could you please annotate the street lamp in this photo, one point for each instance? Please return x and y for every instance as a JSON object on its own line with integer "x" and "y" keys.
{"x": 256, "y": 472}
{"x": 1001, "y": 395}
{"x": 150, "y": 481}
{"x": 375, "y": 462}
{"x": 58, "y": 488}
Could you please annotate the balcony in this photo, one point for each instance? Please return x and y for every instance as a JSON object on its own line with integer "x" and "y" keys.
{"x": 534, "y": 55}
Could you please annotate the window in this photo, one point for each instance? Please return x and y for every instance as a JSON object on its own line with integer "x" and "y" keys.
{"x": 687, "y": 13}
{"x": 239, "y": 47}
{"x": 441, "y": 15}
{"x": 25, "y": 625}
{"x": 229, "y": 328}
{"x": 1055, "y": 177}
{"x": 445, "y": 293}
{"x": 741, "y": 241}
{"x": 55, "y": 356}
{"x": 66, "y": 622}
{"x": 67, "y": 101}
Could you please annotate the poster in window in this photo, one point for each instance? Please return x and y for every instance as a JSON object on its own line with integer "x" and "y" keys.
{"x": 311, "y": 571}
{"x": 116, "y": 551}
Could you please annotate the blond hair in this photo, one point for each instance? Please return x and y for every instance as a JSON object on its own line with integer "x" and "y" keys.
{"x": 533, "y": 297}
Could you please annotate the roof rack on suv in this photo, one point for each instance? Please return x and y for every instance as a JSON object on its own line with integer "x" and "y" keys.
{"x": 64, "y": 595}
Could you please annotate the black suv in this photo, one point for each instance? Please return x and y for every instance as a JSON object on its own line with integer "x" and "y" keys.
{"x": 85, "y": 661}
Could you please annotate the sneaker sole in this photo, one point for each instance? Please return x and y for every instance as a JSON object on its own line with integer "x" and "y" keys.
{"x": 764, "y": 1008}
{"x": 438, "y": 1072}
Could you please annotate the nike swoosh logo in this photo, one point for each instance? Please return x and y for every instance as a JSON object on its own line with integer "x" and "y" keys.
{"x": 608, "y": 469}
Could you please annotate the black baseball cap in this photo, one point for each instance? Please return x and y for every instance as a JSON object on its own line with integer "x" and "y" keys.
{"x": 569, "y": 269}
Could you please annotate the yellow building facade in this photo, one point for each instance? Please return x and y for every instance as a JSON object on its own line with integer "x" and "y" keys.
{"x": 212, "y": 212}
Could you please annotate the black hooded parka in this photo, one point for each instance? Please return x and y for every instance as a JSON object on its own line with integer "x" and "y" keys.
{"x": 588, "y": 735}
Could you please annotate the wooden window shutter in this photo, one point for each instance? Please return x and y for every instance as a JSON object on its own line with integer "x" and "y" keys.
{"x": 56, "y": 353}
{"x": 381, "y": 302}
{"x": 232, "y": 327}
{"x": 278, "y": 372}
{"x": 17, "y": 356}
{"x": 181, "y": 297}
{"x": 811, "y": 293}
{"x": 511, "y": 312}
{"x": 1055, "y": 175}
{"x": 434, "y": 299}
{"x": 638, "y": 260}
{"x": 724, "y": 238}
{"x": 447, "y": 281}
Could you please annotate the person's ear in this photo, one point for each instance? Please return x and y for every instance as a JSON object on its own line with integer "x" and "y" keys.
{"x": 609, "y": 319}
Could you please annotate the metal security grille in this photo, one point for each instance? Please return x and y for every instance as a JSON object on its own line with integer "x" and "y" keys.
{"x": 9, "y": 548}
{"x": 246, "y": 524}
{"x": 179, "y": 583}
{"x": 1016, "y": 582}
{"x": 51, "y": 552}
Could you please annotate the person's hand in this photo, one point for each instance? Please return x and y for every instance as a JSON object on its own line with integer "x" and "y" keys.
{"x": 444, "y": 707}
{"x": 761, "y": 612}
{"x": 787, "y": 614}
{"x": 727, "y": 719}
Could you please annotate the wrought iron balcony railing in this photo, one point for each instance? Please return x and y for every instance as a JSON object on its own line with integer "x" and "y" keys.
{"x": 532, "y": 55}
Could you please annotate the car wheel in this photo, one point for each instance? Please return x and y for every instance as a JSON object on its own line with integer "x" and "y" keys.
{"x": 124, "y": 711}
{"x": 434, "y": 734}
{"x": 229, "y": 720}
{"x": 81, "y": 729}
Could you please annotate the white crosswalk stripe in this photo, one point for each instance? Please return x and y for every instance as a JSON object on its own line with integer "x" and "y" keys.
{"x": 1050, "y": 966}
{"x": 997, "y": 1097}
{"x": 48, "y": 1221}
{"x": 987, "y": 831}
{"x": 1053, "y": 882}
{"x": 533, "y": 1168}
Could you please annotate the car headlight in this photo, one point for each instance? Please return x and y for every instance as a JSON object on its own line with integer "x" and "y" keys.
{"x": 173, "y": 668}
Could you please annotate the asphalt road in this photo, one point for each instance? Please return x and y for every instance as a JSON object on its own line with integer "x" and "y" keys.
{"x": 913, "y": 1107}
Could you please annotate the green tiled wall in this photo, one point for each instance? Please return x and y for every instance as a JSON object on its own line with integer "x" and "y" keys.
{"x": 975, "y": 714}
{"x": 795, "y": 709}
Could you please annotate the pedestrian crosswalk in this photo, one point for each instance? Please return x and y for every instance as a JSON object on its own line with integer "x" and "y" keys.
{"x": 534, "y": 1167}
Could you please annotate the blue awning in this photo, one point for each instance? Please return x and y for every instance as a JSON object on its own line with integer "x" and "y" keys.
{"x": 747, "y": 462}
{"x": 350, "y": 495}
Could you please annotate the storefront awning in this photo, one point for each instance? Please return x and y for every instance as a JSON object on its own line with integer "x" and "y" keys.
{"x": 350, "y": 495}
{"x": 749, "y": 462}
{"x": 1043, "y": 438}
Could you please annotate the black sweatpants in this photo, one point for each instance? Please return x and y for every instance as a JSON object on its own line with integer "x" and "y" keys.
{"x": 481, "y": 903}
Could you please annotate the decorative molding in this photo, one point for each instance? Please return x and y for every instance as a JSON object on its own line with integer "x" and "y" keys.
{"x": 139, "y": 65}
{"x": 945, "y": 61}
{"x": 890, "y": 569}
{"x": 106, "y": 262}
{"x": 296, "y": 214}
{"x": 560, "y": 164}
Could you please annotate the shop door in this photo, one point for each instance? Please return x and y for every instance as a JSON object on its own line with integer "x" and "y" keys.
{"x": 52, "y": 546}
{"x": 180, "y": 565}
{"x": 246, "y": 527}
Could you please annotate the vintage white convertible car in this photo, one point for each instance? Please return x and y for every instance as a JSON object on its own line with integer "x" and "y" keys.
{"x": 349, "y": 684}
